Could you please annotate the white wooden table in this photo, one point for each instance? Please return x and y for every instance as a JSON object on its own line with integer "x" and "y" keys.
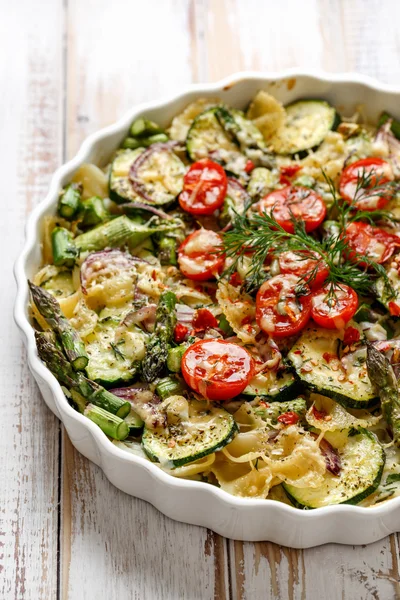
{"x": 68, "y": 67}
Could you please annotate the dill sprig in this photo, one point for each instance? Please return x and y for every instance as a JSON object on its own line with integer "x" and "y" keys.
{"x": 117, "y": 352}
{"x": 262, "y": 235}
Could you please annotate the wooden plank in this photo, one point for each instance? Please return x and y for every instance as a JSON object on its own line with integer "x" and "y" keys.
{"x": 338, "y": 37}
{"x": 30, "y": 125}
{"x": 129, "y": 550}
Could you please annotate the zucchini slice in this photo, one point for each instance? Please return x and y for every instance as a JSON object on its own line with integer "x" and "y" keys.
{"x": 134, "y": 423}
{"x": 305, "y": 127}
{"x": 60, "y": 285}
{"x": 113, "y": 362}
{"x": 157, "y": 174}
{"x": 120, "y": 186}
{"x": 206, "y": 135}
{"x": 272, "y": 411}
{"x": 323, "y": 374}
{"x": 241, "y": 129}
{"x": 208, "y": 429}
{"x": 276, "y": 387}
{"x": 362, "y": 460}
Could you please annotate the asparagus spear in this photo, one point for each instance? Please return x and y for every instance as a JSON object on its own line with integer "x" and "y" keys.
{"x": 69, "y": 201}
{"x": 90, "y": 390}
{"x": 167, "y": 250}
{"x": 132, "y": 143}
{"x": 382, "y": 376}
{"x": 93, "y": 211}
{"x": 120, "y": 232}
{"x": 143, "y": 127}
{"x": 112, "y": 425}
{"x": 50, "y": 310}
{"x": 158, "y": 345}
{"x": 64, "y": 250}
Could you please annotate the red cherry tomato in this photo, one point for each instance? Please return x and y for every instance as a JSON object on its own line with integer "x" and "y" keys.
{"x": 204, "y": 188}
{"x": 370, "y": 241}
{"x": 280, "y": 311}
{"x": 203, "y": 319}
{"x": 294, "y": 201}
{"x": 302, "y": 264}
{"x": 333, "y": 307}
{"x": 378, "y": 172}
{"x": 180, "y": 333}
{"x": 216, "y": 369}
{"x": 199, "y": 256}
{"x": 394, "y": 308}
{"x": 289, "y": 418}
{"x": 351, "y": 336}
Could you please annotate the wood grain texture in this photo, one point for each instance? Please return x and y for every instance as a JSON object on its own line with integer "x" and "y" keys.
{"x": 30, "y": 150}
{"x": 77, "y": 65}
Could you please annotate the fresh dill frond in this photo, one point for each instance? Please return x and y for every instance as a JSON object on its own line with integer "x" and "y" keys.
{"x": 262, "y": 235}
{"x": 117, "y": 352}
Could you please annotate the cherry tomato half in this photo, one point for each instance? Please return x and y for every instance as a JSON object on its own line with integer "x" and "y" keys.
{"x": 377, "y": 172}
{"x": 370, "y": 241}
{"x": 303, "y": 203}
{"x": 333, "y": 307}
{"x": 280, "y": 310}
{"x": 199, "y": 256}
{"x": 204, "y": 188}
{"x": 303, "y": 263}
{"x": 216, "y": 369}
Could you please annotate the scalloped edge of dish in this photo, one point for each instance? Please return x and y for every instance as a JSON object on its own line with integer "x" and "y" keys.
{"x": 185, "y": 500}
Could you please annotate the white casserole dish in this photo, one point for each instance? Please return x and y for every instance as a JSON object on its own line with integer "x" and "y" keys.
{"x": 190, "y": 501}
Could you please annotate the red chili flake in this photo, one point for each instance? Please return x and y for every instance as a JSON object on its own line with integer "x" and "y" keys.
{"x": 319, "y": 414}
{"x": 249, "y": 166}
{"x": 203, "y": 319}
{"x": 394, "y": 309}
{"x": 328, "y": 356}
{"x": 247, "y": 320}
{"x": 180, "y": 333}
{"x": 289, "y": 418}
{"x": 288, "y": 172}
{"x": 351, "y": 335}
{"x": 154, "y": 274}
{"x": 297, "y": 352}
{"x": 235, "y": 279}
{"x": 264, "y": 404}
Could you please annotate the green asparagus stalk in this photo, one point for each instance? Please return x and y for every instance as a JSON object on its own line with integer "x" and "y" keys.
{"x": 50, "y": 310}
{"x": 63, "y": 371}
{"x": 169, "y": 386}
{"x": 110, "y": 424}
{"x": 93, "y": 212}
{"x": 64, "y": 250}
{"x": 274, "y": 409}
{"x": 69, "y": 201}
{"x": 167, "y": 251}
{"x": 157, "y": 348}
{"x": 382, "y": 376}
{"x": 143, "y": 127}
{"x": 174, "y": 358}
{"x": 113, "y": 234}
{"x": 132, "y": 143}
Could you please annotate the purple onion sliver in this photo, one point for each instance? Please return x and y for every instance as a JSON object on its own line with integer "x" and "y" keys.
{"x": 148, "y": 207}
{"x": 141, "y": 159}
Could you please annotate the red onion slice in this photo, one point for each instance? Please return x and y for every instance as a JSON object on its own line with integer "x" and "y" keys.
{"x": 100, "y": 264}
{"x": 145, "y": 315}
{"x": 141, "y": 206}
{"x": 332, "y": 458}
{"x": 139, "y": 162}
{"x": 184, "y": 314}
{"x": 144, "y": 403}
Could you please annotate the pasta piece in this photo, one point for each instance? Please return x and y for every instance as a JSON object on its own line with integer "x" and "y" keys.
{"x": 199, "y": 466}
{"x": 84, "y": 320}
{"x": 93, "y": 179}
{"x": 331, "y": 416}
{"x": 240, "y": 311}
{"x": 267, "y": 113}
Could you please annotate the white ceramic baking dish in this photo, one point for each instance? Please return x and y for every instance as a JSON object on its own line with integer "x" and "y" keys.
{"x": 190, "y": 501}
